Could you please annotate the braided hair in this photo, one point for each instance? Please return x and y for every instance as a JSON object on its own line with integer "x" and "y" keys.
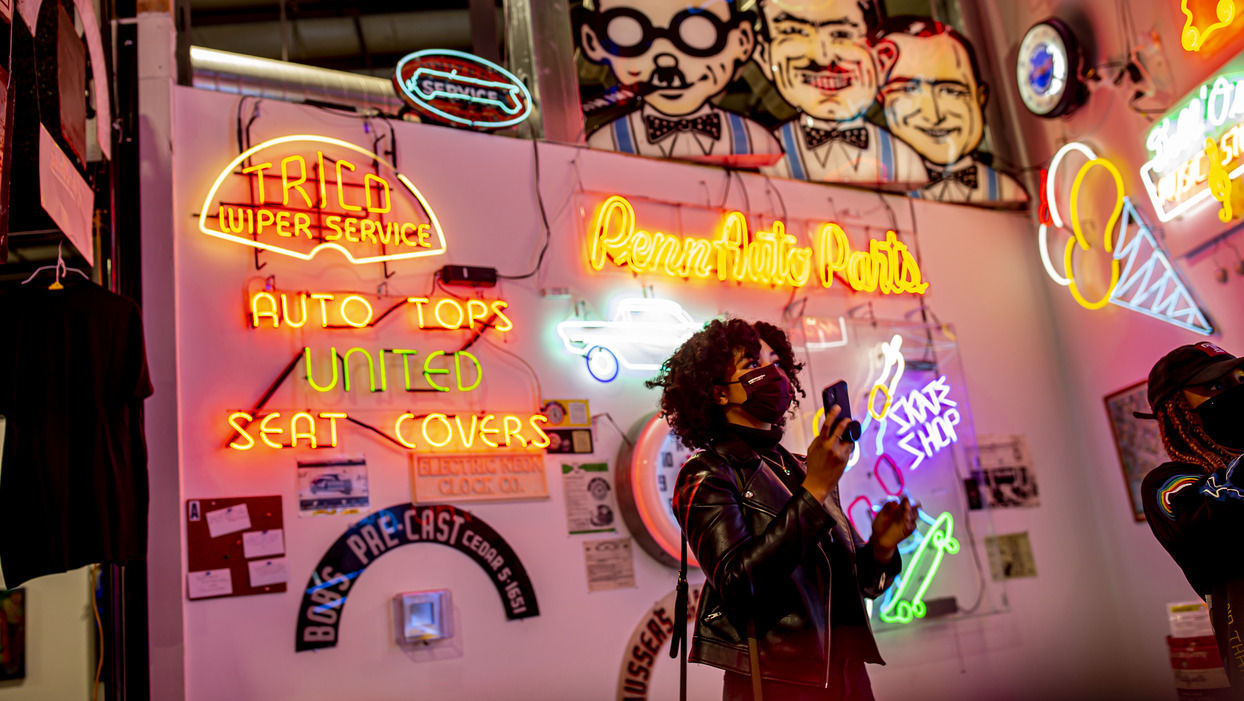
{"x": 1184, "y": 436}
{"x": 690, "y": 377}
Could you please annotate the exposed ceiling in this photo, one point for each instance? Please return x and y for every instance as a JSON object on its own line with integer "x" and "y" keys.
{"x": 363, "y": 37}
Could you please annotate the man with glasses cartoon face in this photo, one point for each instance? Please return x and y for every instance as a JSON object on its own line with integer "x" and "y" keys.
{"x": 818, "y": 55}
{"x": 934, "y": 101}
{"x": 677, "y": 54}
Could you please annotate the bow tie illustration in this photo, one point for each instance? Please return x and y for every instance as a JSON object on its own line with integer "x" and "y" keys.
{"x": 659, "y": 127}
{"x": 967, "y": 176}
{"x": 856, "y": 136}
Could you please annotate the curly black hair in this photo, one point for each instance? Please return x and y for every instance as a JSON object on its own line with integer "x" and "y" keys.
{"x": 690, "y": 376}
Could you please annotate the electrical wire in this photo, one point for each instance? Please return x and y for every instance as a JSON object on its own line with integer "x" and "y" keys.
{"x": 544, "y": 217}
{"x": 534, "y": 375}
{"x": 616, "y": 427}
{"x": 99, "y": 626}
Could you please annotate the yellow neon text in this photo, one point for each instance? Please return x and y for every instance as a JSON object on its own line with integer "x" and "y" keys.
{"x": 274, "y": 310}
{"x": 770, "y": 258}
{"x": 377, "y": 369}
{"x": 300, "y": 425}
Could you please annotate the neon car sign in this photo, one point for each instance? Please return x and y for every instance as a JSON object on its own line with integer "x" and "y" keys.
{"x": 461, "y": 88}
{"x": 301, "y": 194}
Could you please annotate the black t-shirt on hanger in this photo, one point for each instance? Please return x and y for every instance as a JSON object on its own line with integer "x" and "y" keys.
{"x": 73, "y": 375}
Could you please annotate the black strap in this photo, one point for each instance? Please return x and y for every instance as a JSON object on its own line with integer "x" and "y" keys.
{"x": 678, "y": 639}
{"x": 753, "y": 655}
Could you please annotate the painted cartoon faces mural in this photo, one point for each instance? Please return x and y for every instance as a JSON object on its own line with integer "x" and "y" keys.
{"x": 822, "y": 58}
{"x": 675, "y": 54}
{"x": 934, "y": 101}
{"x": 894, "y": 104}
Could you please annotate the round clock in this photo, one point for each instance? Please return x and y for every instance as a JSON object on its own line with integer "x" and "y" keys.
{"x": 1047, "y": 70}
{"x": 647, "y": 470}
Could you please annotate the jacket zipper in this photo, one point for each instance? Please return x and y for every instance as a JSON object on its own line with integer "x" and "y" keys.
{"x": 829, "y": 592}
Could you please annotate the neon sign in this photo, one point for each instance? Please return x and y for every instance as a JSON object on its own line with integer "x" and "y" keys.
{"x": 1142, "y": 277}
{"x": 434, "y": 432}
{"x": 377, "y": 369}
{"x": 461, "y": 88}
{"x": 770, "y": 258}
{"x": 302, "y": 194}
{"x": 641, "y": 335}
{"x": 1176, "y": 177}
{"x": 1193, "y": 38}
{"x": 274, "y": 310}
{"x": 927, "y": 416}
{"x": 904, "y": 601}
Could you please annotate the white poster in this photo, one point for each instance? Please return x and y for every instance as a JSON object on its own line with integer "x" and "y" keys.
{"x": 332, "y": 486}
{"x": 65, "y": 196}
{"x": 590, "y": 503}
{"x": 1003, "y": 474}
{"x": 610, "y": 564}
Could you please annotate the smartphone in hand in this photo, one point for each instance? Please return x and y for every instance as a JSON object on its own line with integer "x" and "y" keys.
{"x": 838, "y": 395}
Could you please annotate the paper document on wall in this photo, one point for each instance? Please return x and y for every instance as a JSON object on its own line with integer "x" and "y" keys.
{"x": 266, "y": 572}
{"x": 209, "y": 583}
{"x": 263, "y": 543}
{"x": 228, "y": 520}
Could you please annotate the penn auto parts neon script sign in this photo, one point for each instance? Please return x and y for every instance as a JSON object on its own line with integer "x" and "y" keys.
{"x": 735, "y": 254}
{"x": 302, "y": 194}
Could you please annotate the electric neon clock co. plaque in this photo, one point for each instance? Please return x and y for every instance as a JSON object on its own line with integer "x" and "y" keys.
{"x": 299, "y": 195}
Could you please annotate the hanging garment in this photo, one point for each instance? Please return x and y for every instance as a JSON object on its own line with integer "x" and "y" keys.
{"x": 73, "y": 376}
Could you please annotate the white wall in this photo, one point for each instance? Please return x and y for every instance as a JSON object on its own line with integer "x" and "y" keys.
{"x": 60, "y": 640}
{"x": 1059, "y": 641}
{"x": 1107, "y": 350}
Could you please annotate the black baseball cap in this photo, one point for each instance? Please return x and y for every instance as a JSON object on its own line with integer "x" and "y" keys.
{"x": 1192, "y": 364}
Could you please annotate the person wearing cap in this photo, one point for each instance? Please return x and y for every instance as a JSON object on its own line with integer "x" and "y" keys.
{"x": 1195, "y": 503}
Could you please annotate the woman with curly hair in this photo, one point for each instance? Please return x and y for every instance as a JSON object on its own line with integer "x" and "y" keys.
{"x": 786, "y": 571}
{"x": 1195, "y": 504}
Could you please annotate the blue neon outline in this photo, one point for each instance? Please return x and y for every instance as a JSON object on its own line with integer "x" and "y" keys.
{"x": 617, "y": 366}
{"x": 397, "y": 73}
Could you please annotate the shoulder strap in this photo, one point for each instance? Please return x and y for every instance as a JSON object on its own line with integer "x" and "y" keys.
{"x": 678, "y": 639}
{"x": 753, "y": 654}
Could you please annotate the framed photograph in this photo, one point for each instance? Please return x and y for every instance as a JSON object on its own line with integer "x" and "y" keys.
{"x": 12, "y": 634}
{"x": 1137, "y": 440}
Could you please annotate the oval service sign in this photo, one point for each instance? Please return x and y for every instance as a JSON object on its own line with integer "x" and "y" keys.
{"x": 463, "y": 89}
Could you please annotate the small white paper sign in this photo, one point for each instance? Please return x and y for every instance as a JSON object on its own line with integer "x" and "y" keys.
{"x": 230, "y": 519}
{"x": 209, "y": 583}
{"x": 265, "y": 572}
{"x": 263, "y": 543}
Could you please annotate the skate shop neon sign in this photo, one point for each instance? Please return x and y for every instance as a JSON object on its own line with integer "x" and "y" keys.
{"x": 770, "y": 258}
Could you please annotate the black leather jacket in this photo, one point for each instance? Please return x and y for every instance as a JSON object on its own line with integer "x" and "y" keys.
{"x": 764, "y": 552}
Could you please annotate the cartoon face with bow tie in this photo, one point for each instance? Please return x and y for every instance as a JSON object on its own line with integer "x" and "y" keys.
{"x": 824, "y": 59}
{"x": 935, "y": 100}
{"x": 677, "y": 55}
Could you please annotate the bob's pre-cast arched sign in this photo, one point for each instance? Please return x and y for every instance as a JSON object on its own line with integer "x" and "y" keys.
{"x": 320, "y": 613}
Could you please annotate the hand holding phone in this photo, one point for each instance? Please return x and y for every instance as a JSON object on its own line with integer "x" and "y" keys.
{"x": 838, "y": 395}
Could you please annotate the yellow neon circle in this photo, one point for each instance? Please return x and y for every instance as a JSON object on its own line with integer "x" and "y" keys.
{"x": 366, "y": 305}
{"x": 872, "y": 398}
{"x": 1078, "y": 233}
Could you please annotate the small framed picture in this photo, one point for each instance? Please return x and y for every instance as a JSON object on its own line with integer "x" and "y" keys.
{"x": 1137, "y": 441}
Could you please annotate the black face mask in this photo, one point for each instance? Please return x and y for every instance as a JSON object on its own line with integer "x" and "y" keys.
{"x": 1223, "y": 418}
{"x": 769, "y": 393}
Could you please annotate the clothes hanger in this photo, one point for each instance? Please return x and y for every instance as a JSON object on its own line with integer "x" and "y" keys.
{"x": 60, "y": 268}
